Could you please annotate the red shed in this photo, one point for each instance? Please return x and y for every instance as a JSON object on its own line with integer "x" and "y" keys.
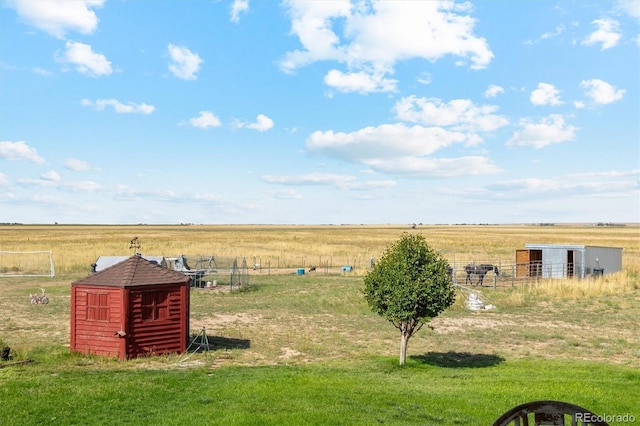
{"x": 133, "y": 308}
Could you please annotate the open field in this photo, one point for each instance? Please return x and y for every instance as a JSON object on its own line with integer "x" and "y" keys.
{"x": 76, "y": 247}
{"x": 307, "y": 350}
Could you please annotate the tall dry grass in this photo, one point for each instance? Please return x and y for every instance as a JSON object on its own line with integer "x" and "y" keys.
{"x": 619, "y": 283}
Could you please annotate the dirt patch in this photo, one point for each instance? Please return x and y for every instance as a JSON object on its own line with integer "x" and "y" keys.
{"x": 288, "y": 353}
{"x": 220, "y": 321}
{"x": 449, "y": 325}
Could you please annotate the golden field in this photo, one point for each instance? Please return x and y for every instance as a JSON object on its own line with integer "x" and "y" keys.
{"x": 75, "y": 247}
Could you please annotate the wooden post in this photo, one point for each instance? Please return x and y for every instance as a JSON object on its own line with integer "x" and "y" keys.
{"x": 125, "y": 302}
{"x": 72, "y": 339}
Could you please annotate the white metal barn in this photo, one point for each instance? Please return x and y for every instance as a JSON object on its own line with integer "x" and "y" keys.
{"x": 567, "y": 260}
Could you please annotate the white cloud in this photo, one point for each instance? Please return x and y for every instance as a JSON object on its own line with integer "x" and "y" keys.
{"x": 184, "y": 64}
{"x": 52, "y": 179}
{"x": 51, "y": 175}
{"x": 607, "y": 34}
{"x": 120, "y": 108}
{"x": 4, "y": 181}
{"x": 545, "y": 94}
{"x": 550, "y": 130}
{"x": 309, "y": 179}
{"x": 311, "y": 22}
{"x": 41, "y": 182}
{"x": 601, "y": 92}
{"x": 360, "y": 82}
{"x": 41, "y": 71}
{"x": 591, "y": 188}
{"x": 493, "y": 90}
{"x": 286, "y": 194}
{"x": 376, "y": 35}
{"x": 385, "y": 141}
{"x": 238, "y": 7}
{"x": 262, "y": 124}
{"x": 609, "y": 174}
{"x": 435, "y": 167}
{"x": 398, "y": 149}
{"x": 57, "y": 17}
{"x": 561, "y": 187}
{"x": 19, "y": 151}
{"x": 629, "y": 7}
{"x": 84, "y": 186}
{"x": 343, "y": 182}
{"x": 424, "y": 78}
{"x": 129, "y": 193}
{"x": 76, "y": 165}
{"x": 549, "y": 34}
{"x": 460, "y": 114}
{"x": 370, "y": 185}
{"x": 205, "y": 120}
{"x": 85, "y": 59}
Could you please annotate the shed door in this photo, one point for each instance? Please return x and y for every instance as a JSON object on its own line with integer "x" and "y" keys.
{"x": 570, "y": 263}
{"x": 528, "y": 263}
{"x": 522, "y": 263}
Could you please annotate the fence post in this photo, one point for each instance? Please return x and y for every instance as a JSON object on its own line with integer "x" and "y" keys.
{"x": 495, "y": 276}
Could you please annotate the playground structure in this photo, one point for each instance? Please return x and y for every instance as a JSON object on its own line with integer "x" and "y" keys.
{"x": 211, "y": 271}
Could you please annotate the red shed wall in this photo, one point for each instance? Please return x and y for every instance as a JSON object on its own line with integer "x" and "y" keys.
{"x": 158, "y": 324}
{"x": 96, "y": 315}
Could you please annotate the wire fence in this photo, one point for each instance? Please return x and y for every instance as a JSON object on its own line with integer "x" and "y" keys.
{"x": 208, "y": 271}
{"x": 319, "y": 262}
{"x": 503, "y": 274}
{"x": 327, "y": 264}
{"x": 235, "y": 271}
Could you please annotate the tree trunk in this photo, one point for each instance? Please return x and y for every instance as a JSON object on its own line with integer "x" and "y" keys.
{"x": 404, "y": 340}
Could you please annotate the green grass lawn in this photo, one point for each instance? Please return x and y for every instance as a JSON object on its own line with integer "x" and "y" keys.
{"x": 296, "y": 350}
{"x": 433, "y": 389}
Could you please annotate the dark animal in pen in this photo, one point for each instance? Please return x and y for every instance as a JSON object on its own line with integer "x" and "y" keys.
{"x": 479, "y": 271}
{"x": 312, "y": 269}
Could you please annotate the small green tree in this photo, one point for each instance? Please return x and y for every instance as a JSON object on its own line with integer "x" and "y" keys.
{"x": 409, "y": 286}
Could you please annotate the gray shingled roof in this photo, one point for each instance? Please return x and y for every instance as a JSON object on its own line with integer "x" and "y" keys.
{"x": 103, "y": 262}
{"x": 135, "y": 271}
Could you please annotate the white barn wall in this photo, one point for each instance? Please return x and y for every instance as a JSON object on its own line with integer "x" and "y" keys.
{"x": 609, "y": 258}
{"x": 554, "y": 259}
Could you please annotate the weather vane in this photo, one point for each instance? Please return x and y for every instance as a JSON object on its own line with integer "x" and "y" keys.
{"x": 135, "y": 243}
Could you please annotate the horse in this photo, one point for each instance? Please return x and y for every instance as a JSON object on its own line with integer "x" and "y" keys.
{"x": 480, "y": 271}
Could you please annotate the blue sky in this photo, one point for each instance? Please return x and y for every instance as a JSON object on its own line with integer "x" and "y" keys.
{"x": 319, "y": 112}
